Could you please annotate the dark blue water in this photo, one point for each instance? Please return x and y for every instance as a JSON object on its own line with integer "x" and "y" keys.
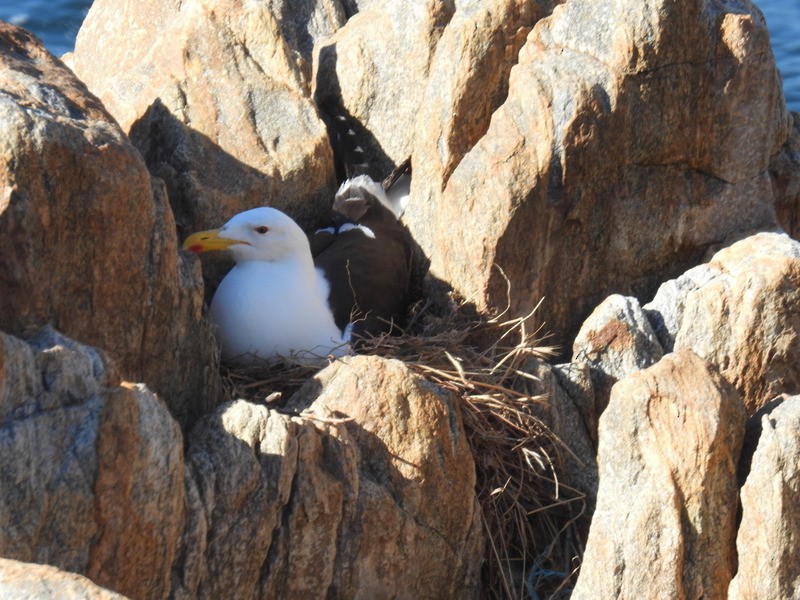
{"x": 57, "y": 22}
{"x": 783, "y": 22}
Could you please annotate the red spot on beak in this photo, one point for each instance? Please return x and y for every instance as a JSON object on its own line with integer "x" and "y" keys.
{"x": 197, "y": 249}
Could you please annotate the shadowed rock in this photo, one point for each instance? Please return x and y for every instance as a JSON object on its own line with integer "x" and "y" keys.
{"x": 785, "y": 171}
{"x": 467, "y": 83}
{"x": 97, "y": 467}
{"x": 619, "y": 116}
{"x": 369, "y": 496}
{"x": 740, "y": 313}
{"x": 563, "y": 415}
{"x": 239, "y": 129}
{"x": 369, "y": 493}
{"x": 88, "y": 239}
{"x": 666, "y": 506}
{"x": 768, "y": 544}
{"x": 308, "y": 22}
{"x": 615, "y": 341}
{"x": 372, "y": 68}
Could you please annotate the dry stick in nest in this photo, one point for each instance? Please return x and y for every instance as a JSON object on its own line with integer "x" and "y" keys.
{"x": 513, "y": 450}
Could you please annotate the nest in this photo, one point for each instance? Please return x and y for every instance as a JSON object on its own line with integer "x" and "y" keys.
{"x": 531, "y": 521}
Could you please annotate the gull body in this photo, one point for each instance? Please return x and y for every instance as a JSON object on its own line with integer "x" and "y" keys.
{"x": 273, "y": 304}
{"x": 367, "y": 258}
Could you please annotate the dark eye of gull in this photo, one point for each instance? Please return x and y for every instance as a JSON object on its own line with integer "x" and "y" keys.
{"x": 262, "y": 229}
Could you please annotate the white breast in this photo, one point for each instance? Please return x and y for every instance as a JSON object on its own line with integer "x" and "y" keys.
{"x": 273, "y": 310}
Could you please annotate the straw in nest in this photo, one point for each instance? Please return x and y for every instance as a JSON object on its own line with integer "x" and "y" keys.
{"x": 529, "y": 518}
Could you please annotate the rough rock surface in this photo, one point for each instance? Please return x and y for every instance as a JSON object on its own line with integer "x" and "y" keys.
{"x": 665, "y": 311}
{"x": 768, "y": 543}
{"x": 619, "y": 115}
{"x": 561, "y": 414}
{"x": 308, "y": 22}
{"x": 20, "y": 580}
{"x": 371, "y": 497}
{"x": 576, "y": 380}
{"x": 368, "y": 494}
{"x": 87, "y": 239}
{"x": 468, "y": 81}
{"x": 93, "y": 468}
{"x": 741, "y": 313}
{"x": 785, "y": 171}
{"x": 215, "y": 100}
{"x": 414, "y": 493}
{"x": 371, "y": 68}
{"x": 351, "y": 7}
{"x": 241, "y": 465}
{"x": 666, "y": 507}
{"x": 615, "y": 341}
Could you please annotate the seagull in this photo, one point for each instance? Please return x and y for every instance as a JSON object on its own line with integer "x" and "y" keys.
{"x": 299, "y": 299}
{"x": 273, "y": 305}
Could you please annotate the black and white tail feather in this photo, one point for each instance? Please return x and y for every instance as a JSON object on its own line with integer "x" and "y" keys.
{"x": 363, "y": 186}
{"x": 349, "y": 139}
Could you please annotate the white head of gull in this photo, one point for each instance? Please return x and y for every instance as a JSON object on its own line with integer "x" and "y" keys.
{"x": 274, "y": 303}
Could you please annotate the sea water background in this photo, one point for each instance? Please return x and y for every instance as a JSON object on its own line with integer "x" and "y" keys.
{"x": 57, "y": 22}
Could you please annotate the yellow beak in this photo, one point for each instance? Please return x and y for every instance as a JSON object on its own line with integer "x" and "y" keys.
{"x": 205, "y": 241}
